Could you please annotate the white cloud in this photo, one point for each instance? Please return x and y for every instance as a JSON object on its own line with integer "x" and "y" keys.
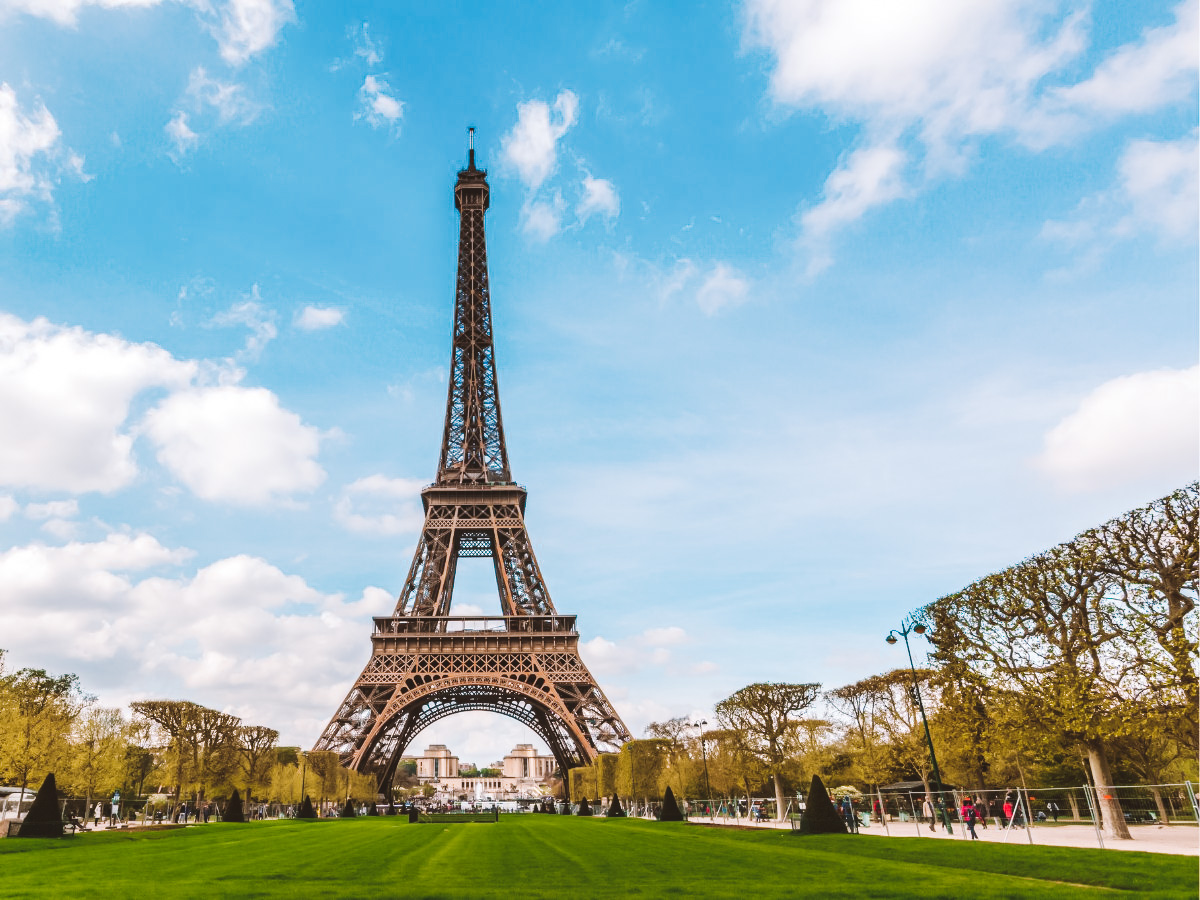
{"x": 1159, "y": 179}
{"x": 247, "y": 27}
{"x": 650, "y": 648}
{"x": 365, "y": 48}
{"x": 925, "y": 80}
{"x": 212, "y": 103}
{"x": 227, "y": 99}
{"x": 870, "y": 176}
{"x": 54, "y": 509}
{"x": 66, "y": 12}
{"x": 377, "y": 105}
{"x": 542, "y": 219}
{"x": 251, "y": 313}
{"x": 242, "y": 28}
{"x": 65, "y": 397}
{"x": 8, "y": 507}
{"x": 380, "y": 505}
{"x": 1145, "y": 75}
{"x": 531, "y": 146}
{"x": 318, "y": 318}
{"x": 29, "y": 153}
{"x": 1140, "y": 428}
{"x": 723, "y": 287}
{"x": 1156, "y": 191}
{"x": 235, "y": 445}
{"x": 183, "y": 139}
{"x": 236, "y": 634}
{"x": 599, "y": 198}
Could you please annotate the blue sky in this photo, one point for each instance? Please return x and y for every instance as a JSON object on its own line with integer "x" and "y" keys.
{"x": 806, "y": 312}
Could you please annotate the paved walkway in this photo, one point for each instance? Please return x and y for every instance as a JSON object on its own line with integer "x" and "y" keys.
{"x": 1179, "y": 839}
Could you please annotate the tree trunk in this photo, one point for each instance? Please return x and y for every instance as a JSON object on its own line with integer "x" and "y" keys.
{"x": 779, "y": 810}
{"x": 1112, "y": 816}
{"x": 1074, "y": 805}
{"x": 1163, "y": 818}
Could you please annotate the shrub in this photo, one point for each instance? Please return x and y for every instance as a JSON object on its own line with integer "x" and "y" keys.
{"x": 614, "y": 808}
{"x": 348, "y": 811}
{"x": 44, "y": 818}
{"x": 306, "y": 810}
{"x": 819, "y": 816}
{"x": 234, "y": 811}
{"x": 670, "y": 809}
{"x": 585, "y": 808}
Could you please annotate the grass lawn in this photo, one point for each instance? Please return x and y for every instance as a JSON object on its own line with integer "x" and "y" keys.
{"x": 561, "y": 856}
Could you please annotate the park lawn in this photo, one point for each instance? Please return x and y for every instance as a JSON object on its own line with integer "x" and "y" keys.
{"x": 562, "y": 856}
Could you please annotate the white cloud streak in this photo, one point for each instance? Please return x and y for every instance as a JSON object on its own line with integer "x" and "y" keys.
{"x": 377, "y": 105}
{"x": 319, "y": 318}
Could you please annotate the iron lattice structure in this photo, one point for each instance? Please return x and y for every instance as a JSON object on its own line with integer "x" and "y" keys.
{"x": 425, "y": 664}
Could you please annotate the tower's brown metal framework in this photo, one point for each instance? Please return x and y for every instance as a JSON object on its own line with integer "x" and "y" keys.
{"x": 426, "y": 664}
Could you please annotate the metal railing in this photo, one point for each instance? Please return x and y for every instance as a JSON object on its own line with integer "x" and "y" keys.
{"x": 474, "y": 624}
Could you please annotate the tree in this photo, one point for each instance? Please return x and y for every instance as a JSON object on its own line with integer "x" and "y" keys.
{"x": 99, "y": 758}
{"x": 37, "y": 711}
{"x": 175, "y": 724}
{"x": 255, "y": 748}
{"x": 1041, "y": 635}
{"x": 764, "y": 712}
{"x": 1152, "y": 553}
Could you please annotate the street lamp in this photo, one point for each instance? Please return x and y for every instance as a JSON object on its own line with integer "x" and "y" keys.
{"x": 919, "y": 628}
{"x": 303, "y": 772}
{"x": 704, "y": 753}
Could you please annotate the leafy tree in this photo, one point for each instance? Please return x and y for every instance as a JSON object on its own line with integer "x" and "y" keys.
{"x": 1041, "y": 634}
{"x": 37, "y": 712}
{"x": 100, "y": 747}
{"x": 256, "y": 750}
{"x": 764, "y": 714}
{"x": 641, "y": 768}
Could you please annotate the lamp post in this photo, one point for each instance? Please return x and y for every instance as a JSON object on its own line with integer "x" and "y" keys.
{"x": 303, "y": 772}
{"x": 919, "y": 628}
{"x": 704, "y": 754}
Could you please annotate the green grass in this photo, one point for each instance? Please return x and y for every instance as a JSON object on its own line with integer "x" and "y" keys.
{"x": 562, "y": 856}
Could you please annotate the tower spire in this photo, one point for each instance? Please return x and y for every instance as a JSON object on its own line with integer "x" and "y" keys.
{"x": 473, "y": 450}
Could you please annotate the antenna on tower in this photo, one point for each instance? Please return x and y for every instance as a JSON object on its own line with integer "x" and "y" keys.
{"x": 471, "y": 147}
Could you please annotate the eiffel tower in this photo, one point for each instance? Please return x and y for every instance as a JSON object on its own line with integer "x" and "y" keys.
{"x": 426, "y": 664}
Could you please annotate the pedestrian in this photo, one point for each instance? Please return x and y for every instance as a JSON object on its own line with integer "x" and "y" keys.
{"x": 878, "y": 810}
{"x": 983, "y": 811}
{"x": 114, "y": 814}
{"x": 927, "y": 809}
{"x": 96, "y": 814}
{"x": 848, "y": 815}
{"x": 969, "y": 816}
{"x": 1053, "y": 809}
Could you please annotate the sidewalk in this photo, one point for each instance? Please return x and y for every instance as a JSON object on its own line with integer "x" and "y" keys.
{"x": 1183, "y": 840}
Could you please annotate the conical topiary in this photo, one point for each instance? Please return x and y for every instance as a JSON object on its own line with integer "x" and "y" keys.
{"x": 670, "y": 809}
{"x": 44, "y": 818}
{"x": 819, "y": 816}
{"x": 414, "y": 815}
{"x": 585, "y": 808}
{"x": 348, "y": 811}
{"x": 614, "y": 808}
{"x": 233, "y": 809}
{"x": 552, "y": 808}
{"x": 373, "y": 808}
{"x": 306, "y": 810}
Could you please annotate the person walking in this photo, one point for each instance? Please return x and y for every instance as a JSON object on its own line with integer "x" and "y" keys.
{"x": 983, "y": 811}
{"x": 969, "y": 817}
{"x": 848, "y": 815}
{"x": 927, "y": 809}
{"x": 96, "y": 814}
{"x": 1053, "y": 809}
